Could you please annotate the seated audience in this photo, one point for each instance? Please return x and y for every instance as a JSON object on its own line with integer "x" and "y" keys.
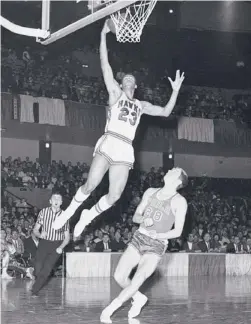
{"x": 11, "y": 260}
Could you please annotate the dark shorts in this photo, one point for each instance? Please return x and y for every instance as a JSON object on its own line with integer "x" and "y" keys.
{"x": 145, "y": 244}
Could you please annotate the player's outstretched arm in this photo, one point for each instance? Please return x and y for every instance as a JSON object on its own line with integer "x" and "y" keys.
{"x": 180, "y": 216}
{"x": 166, "y": 111}
{"x": 138, "y": 216}
{"x": 111, "y": 84}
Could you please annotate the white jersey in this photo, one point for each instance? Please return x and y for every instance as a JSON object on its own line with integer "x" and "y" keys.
{"x": 124, "y": 117}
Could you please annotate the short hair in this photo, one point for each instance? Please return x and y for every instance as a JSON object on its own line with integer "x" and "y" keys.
{"x": 56, "y": 193}
{"x": 129, "y": 75}
{"x": 183, "y": 178}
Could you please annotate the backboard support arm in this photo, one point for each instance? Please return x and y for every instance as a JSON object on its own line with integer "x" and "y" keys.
{"x": 17, "y": 29}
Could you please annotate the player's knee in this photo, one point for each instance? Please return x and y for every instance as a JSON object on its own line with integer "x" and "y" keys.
{"x": 88, "y": 187}
{"x": 141, "y": 277}
{"x": 120, "y": 279}
{"x": 113, "y": 196}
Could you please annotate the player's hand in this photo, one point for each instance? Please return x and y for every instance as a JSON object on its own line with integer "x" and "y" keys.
{"x": 59, "y": 250}
{"x": 43, "y": 235}
{"x": 106, "y": 28}
{"x": 148, "y": 222}
{"x": 176, "y": 84}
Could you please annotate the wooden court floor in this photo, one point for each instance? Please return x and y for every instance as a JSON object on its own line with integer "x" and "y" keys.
{"x": 200, "y": 300}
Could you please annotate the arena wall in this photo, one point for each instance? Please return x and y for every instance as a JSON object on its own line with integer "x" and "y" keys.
{"x": 19, "y": 147}
{"x": 103, "y": 265}
{"x": 214, "y": 166}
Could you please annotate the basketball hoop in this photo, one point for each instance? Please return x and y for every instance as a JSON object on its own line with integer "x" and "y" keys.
{"x": 129, "y": 22}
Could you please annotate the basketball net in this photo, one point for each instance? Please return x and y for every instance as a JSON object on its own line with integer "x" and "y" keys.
{"x": 130, "y": 21}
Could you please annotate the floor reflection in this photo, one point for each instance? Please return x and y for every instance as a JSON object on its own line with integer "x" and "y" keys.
{"x": 201, "y": 300}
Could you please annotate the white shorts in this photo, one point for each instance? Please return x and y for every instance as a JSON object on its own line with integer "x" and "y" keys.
{"x": 116, "y": 149}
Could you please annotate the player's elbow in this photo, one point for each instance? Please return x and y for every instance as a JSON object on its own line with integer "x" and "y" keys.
{"x": 165, "y": 113}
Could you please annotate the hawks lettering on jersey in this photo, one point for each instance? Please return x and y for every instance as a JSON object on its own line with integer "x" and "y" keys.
{"x": 124, "y": 117}
{"x": 128, "y": 111}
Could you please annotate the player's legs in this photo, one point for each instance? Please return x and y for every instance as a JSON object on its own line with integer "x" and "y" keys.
{"x": 118, "y": 175}
{"x": 97, "y": 171}
{"x": 128, "y": 261}
{"x": 146, "y": 267}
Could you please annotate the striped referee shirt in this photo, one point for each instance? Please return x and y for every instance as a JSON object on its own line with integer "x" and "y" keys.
{"x": 46, "y": 217}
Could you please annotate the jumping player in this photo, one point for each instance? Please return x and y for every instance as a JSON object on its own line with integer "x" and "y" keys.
{"x": 158, "y": 211}
{"x": 114, "y": 150}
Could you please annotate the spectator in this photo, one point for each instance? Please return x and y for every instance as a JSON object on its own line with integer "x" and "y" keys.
{"x": 127, "y": 237}
{"x": 235, "y": 247}
{"x": 224, "y": 240}
{"x": 205, "y": 245}
{"x": 190, "y": 245}
{"x": 17, "y": 242}
{"x": 86, "y": 245}
{"x": 117, "y": 244}
{"x": 173, "y": 246}
{"x": 215, "y": 244}
{"x": 104, "y": 245}
{"x": 98, "y": 236}
{"x": 248, "y": 249}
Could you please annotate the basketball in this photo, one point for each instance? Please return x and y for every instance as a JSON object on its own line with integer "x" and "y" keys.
{"x": 111, "y": 26}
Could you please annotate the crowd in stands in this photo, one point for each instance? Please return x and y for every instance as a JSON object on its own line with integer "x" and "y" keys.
{"x": 219, "y": 214}
{"x": 41, "y": 73}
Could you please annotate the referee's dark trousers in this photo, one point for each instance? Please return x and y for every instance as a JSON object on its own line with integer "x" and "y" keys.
{"x": 46, "y": 258}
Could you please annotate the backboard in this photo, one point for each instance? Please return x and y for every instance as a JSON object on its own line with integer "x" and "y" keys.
{"x": 61, "y": 18}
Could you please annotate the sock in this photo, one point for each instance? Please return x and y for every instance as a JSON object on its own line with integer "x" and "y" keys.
{"x": 77, "y": 200}
{"x": 100, "y": 207}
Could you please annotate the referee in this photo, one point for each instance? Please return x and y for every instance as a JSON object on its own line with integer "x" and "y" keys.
{"x": 51, "y": 244}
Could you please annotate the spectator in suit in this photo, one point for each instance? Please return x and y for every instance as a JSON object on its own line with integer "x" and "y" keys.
{"x": 205, "y": 246}
{"x": 104, "y": 245}
{"x": 30, "y": 248}
{"x": 190, "y": 245}
{"x": 17, "y": 242}
{"x": 117, "y": 245}
{"x": 235, "y": 247}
